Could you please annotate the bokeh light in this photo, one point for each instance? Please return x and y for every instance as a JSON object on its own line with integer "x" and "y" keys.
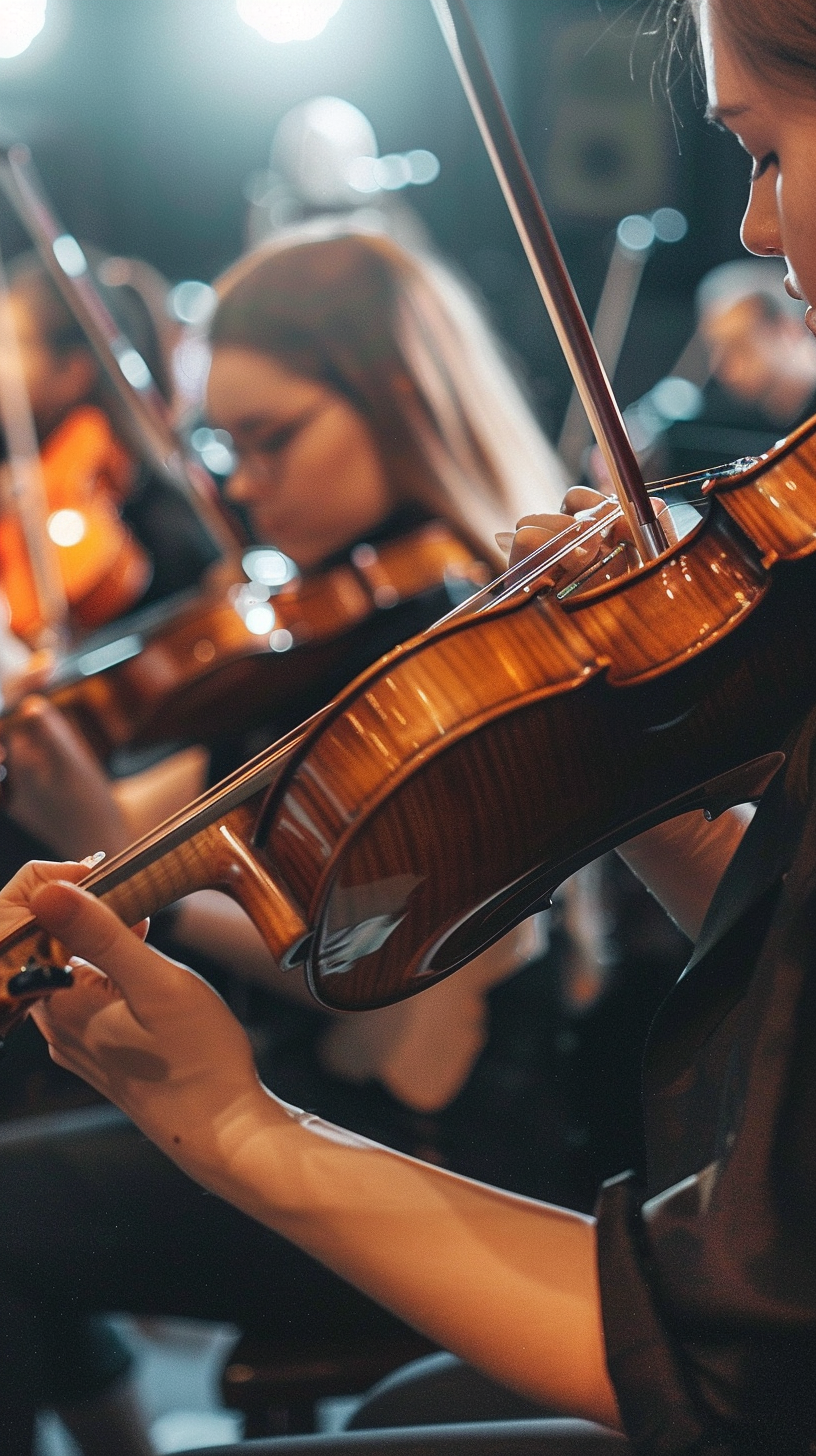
{"x": 287, "y": 20}
{"x": 20, "y": 22}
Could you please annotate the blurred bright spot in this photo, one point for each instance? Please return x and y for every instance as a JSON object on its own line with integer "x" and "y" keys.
{"x": 260, "y": 620}
{"x": 134, "y": 368}
{"x": 636, "y": 233}
{"x": 393, "y": 172}
{"x": 285, "y": 20}
{"x": 360, "y": 175}
{"x": 424, "y": 166}
{"x": 69, "y": 254}
{"x": 215, "y": 449}
{"x": 269, "y": 567}
{"x": 20, "y": 22}
{"x": 192, "y": 302}
{"x": 66, "y": 528}
{"x": 677, "y": 399}
{"x": 280, "y": 640}
{"x": 669, "y": 224}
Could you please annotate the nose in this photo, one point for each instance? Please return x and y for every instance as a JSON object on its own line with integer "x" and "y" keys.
{"x": 761, "y": 233}
{"x": 242, "y": 485}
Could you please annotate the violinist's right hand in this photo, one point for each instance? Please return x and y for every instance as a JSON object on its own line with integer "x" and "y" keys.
{"x": 55, "y": 788}
{"x": 32, "y": 677}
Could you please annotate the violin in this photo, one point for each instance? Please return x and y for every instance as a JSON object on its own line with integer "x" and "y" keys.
{"x": 175, "y": 672}
{"x": 439, "y": 799}
{"x": 86, "y": 474}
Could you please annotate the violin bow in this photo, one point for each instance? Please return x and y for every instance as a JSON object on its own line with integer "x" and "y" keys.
{"x": 550, "y": 272}
{"x": 144, "y": 410}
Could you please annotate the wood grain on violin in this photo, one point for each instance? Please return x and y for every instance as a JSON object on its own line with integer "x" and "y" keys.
{"x": 178, "y": 672}
{"x": 446, "y": 792}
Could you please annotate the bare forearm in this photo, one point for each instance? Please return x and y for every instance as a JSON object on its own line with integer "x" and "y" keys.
{"x": 507, "y": 1283}
{"x": 683, "y": 861}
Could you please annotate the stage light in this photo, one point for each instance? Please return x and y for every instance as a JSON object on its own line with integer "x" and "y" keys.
{"x": 66, "y": 528}
{"x": 20, "y": 22}
{"x": 192, "y": 302}
{"x": 286, "y": 20}
{"x": 392, "y": 172}
{"x": 70, "y": 256}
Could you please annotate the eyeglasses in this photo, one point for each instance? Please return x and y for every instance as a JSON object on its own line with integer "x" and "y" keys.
{"x": 271, "y": 447}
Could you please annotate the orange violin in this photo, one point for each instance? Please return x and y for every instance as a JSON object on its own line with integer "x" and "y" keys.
{"x": 87, "y": 473}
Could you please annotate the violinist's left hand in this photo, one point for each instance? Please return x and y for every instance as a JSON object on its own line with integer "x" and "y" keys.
{"x": 147, "y": 1033}
{"x": 581, "y": 506}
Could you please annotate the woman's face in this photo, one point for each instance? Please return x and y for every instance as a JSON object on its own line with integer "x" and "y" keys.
{"x": 308, "y": 472}
{"x": 777, "y": 126}
{"x": 55, "y": 383}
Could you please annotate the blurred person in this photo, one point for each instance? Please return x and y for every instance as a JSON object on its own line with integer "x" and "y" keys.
{"x": 365, "y": 397}
{"x": 763, "y": 370}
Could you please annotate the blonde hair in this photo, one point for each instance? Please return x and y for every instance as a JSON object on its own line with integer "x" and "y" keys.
{"x": 405, "y": 342}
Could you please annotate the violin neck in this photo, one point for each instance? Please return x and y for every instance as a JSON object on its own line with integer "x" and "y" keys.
{"x": 210, "y": 846}
{"x": 218, "y": 857}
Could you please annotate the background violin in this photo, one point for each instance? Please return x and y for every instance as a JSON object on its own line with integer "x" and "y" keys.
{"x": 176, "y": 671}
{"x": 86, "y": 474}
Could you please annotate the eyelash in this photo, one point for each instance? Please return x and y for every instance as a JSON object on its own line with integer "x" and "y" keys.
{"x": 761, "y": 167}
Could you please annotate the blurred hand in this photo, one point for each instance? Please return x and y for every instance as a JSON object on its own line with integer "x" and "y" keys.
{"x": 32, "y": 677}
{"x": 55, "y": 788}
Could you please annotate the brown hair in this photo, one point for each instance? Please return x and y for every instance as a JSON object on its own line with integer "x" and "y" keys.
{"x": 399, "y": 336}
{"x": 133, "y": 291}
{"x": 769, "y": 35}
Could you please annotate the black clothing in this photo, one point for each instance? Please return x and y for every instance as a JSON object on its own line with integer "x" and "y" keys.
{"x": 709, "y": 1288}
{"x": 179, "y": 547}
{"x": 724, "y": 431}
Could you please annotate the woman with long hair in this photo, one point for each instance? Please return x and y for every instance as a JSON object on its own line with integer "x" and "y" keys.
{"x": 687, "y": 1314}
{"x": 366, "y": 400}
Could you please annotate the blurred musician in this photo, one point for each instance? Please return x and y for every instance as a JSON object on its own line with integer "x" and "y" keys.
{"x": 365, "y": 397}
{"x": 763, "y": 370}
{"x": 161, "y": 548}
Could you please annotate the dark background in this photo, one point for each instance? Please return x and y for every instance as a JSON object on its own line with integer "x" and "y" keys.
{"x": 147, "y": 116}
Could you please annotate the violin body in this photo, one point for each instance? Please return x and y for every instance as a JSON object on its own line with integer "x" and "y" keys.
{"x": 87, "y": 475}
{"x": 453, "y": 787}
{"x": 178, "y": 673}
{"x": 442, "y": 797}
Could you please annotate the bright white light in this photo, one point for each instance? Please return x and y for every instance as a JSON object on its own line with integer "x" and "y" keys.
{"x": 285, "y": 20}
{"x": 281, "y": 640}
{"x": 134, "y": 368}
{"x": 392, "y": 172}
{"x": 424, "y": 166}
{"x": 268, "y": 567}
{"x": 215, "y": 449}
{"x": 260, "y": 620}
{"x": 636, "y": 234}
{"x": 66, "y": 528}
{"x": 192, "y": 302}
{"x": 69, "y": 255}
{"x": 670, "y": 225}
{"x": 20, "y": 21}
{"x": 360, "y": 175}
{"x": 678, "y": 399}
